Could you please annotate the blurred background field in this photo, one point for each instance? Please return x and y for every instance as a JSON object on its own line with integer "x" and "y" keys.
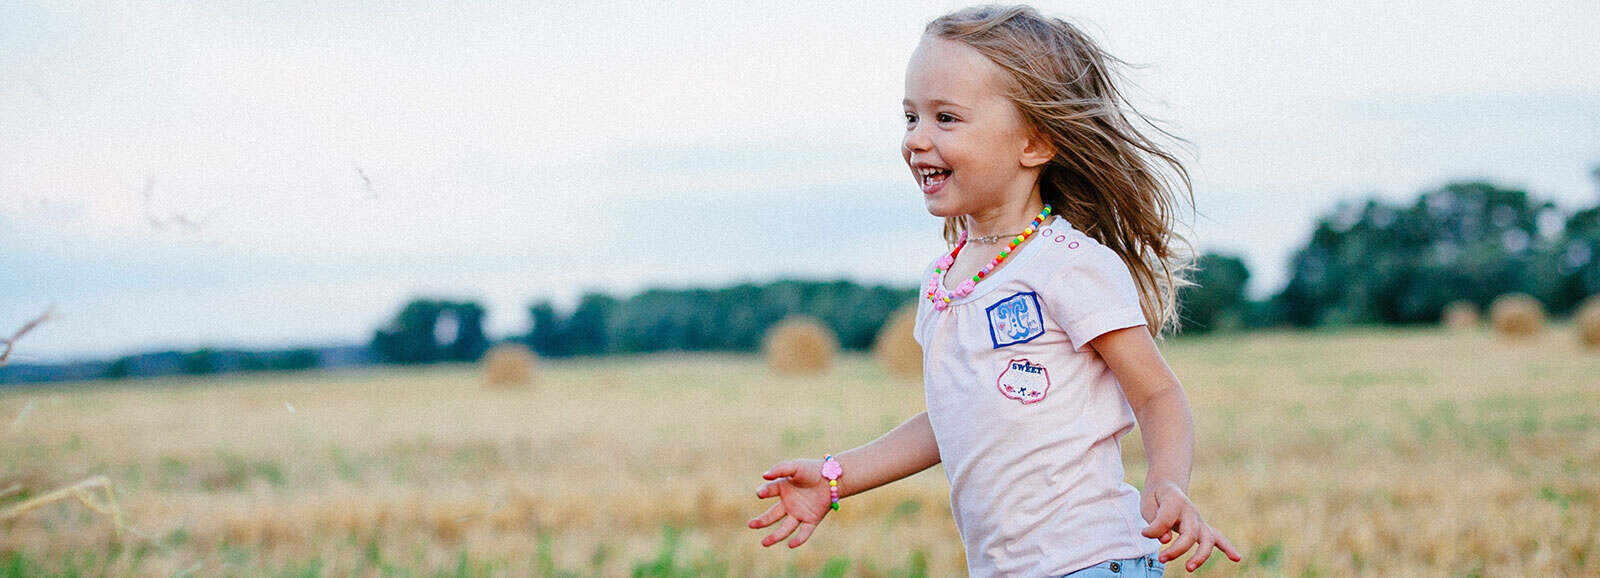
{"x": 1341, "y": 452}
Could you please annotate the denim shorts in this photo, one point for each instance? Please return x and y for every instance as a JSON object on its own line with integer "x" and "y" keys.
{"x": 1145, "y": 566}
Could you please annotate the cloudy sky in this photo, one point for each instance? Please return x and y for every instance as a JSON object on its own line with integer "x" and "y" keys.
{"x": 263, "y": 175}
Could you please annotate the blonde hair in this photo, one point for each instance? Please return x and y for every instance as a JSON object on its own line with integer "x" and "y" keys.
{"x": 1101, "y": 179}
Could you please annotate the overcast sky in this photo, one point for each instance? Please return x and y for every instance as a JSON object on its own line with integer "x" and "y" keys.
{"x": 263, "y": 175}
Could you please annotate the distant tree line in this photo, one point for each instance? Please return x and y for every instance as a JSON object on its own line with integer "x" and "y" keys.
{"x": 1366, "y": 262}
{"x": 731, "y": 318}
{"x": 1382, "y": 263}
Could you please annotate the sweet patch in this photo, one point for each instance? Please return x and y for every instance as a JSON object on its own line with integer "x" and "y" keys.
{"x": 1023, "y": 380}
{"x": 1015, "y": 319}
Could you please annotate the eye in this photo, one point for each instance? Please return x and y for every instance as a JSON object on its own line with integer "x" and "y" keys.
{"x": 942, "y": 117}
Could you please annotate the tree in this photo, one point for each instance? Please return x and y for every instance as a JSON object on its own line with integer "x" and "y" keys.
{"x": 469, "y": 342}
{"x": 544, "y": 334}
{"x": 1381, "y": 263}
{"x": 587, "y": 330}
{"x": 1218, "y": 299}
{"x": 414, "y": 335}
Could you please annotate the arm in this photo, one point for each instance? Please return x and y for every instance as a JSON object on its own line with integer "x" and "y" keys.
{"x": 1162, "y": 409}
{"x": 905, "y": 450}
{"x": 1157, "y": 400}
{"x": 802, "y": 492}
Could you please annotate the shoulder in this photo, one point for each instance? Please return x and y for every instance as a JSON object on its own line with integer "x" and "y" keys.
{"x": 1079, "y": 253}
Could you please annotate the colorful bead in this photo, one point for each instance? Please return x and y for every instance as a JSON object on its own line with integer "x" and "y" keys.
{"x": 934, "y": 290}
{"x": 832, "y": 470}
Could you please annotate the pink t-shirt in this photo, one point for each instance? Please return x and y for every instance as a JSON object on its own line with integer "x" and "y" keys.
{"x": 1028, "y": 417}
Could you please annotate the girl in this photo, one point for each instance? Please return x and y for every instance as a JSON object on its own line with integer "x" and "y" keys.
{"x": 1035, "y": 360}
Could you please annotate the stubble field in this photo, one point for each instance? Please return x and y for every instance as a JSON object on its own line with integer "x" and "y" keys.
{"x": 1361, "y": 452}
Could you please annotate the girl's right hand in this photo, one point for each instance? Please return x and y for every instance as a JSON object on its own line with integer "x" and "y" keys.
{"x": 803, "y": 500}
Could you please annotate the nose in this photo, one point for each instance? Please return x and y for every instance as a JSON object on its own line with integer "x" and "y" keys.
{"x": 915, "y": 140}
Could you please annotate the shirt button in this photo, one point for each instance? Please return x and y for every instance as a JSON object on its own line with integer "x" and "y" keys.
{"x": 1115, "y": 567}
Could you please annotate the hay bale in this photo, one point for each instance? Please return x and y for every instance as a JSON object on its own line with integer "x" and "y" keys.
{"x": 1516, "y": 315}
{"x": 1587, "y": 320}
{"x": 896, "y": 348}
{"x": 509, "y": 364}
{"x": 1461, "y": 316}
{"x": 800, "y": 344}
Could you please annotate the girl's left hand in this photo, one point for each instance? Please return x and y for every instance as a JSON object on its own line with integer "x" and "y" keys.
{"x": 1169, "y": 510}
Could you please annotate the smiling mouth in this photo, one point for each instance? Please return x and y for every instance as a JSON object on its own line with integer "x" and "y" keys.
{"x": 935, "y": 177}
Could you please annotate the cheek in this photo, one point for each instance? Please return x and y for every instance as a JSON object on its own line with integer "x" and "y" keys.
{"x": 976, "y": 154}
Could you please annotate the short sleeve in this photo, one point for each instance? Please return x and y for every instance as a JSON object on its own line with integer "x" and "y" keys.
{"x": 1092, "y": 293}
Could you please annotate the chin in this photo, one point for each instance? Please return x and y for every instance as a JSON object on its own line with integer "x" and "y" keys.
{"x": 940, "y": 210}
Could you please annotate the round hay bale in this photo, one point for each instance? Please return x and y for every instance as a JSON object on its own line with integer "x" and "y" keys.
{"x": 1461, "y": 316}
{"x": 896, "y": 348}
{"x": 1516, "y": 315}
{"x": 508, "y": 364}
{"x": 1587, "y": 320}
{"x": 800, "y": 344}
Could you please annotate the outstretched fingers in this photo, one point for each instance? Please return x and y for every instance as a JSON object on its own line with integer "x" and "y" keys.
{"x": 1201, "y": 552}
{"x": 802, "y": 535}
{"x": 768, "y": 517}
{"x": 1188, "y": 533}
{"x": 785, "y": 527}
{"x": 1227, "y": 548}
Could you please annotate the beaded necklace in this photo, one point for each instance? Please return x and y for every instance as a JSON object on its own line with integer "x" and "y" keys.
{"x": 934, "y": 289}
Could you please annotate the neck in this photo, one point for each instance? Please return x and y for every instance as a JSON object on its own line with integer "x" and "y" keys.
{"x": 1005, "y": 219}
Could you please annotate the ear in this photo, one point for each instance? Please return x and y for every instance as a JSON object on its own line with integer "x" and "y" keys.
{"x": 1036, "y": 150}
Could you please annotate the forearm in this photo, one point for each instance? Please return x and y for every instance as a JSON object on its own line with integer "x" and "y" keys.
{"x": 1167, "y": 431}
{"x": 903, "y": 451}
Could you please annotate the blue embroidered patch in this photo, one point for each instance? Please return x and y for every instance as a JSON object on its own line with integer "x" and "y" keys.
{"x": 1015, "y": 319}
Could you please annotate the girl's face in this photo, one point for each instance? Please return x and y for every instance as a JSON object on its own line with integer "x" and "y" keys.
{"x": 959, "y": 120}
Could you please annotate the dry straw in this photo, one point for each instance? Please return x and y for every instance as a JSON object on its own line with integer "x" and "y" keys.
{"x": 11, "y": 341}
{"x": 1517, "y": 315}
{"x": 800, "y": 344}
{"x": 1587, "y": 321}
{"x": 509, "y": 365}
{"x": 896, "y": 348}
{"x": 1461, "y": 316}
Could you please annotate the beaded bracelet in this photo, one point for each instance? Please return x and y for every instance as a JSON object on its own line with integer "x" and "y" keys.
{"x": 832, "y": 471}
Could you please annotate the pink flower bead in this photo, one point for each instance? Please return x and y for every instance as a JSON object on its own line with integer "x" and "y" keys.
{"x": 940, "y": 305}
{"x": 946, "y": 261}
{"x": 966, "y": 288}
